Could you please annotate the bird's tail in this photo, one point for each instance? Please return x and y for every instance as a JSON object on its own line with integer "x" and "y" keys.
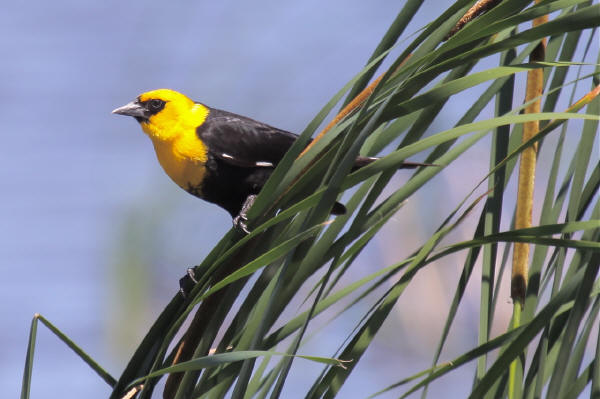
{"x": 340, "y": 209}
{"x": 364, "y": 161}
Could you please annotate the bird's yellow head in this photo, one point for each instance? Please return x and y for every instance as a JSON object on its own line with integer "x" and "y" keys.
{"x": 164, "y": 114}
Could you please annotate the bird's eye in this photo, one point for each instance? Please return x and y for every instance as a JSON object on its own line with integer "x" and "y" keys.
{"x": 156, "y": 105}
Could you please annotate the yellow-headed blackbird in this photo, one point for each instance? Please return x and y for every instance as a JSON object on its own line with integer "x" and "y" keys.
{"x": 215, "y": 155}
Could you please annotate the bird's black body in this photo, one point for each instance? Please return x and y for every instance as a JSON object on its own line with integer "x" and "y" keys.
{"x": 242, "y": 154}
{"x": 216, "y": 155}
{"x": 229, "y": 186}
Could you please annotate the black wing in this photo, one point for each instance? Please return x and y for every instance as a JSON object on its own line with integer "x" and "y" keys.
{"x": 242, "y": 141}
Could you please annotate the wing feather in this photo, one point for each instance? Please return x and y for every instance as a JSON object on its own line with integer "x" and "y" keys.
{"x": 242, "y": 141}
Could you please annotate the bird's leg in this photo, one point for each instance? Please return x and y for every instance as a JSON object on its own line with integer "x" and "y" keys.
{"x": 187, "y": 282}
{"x": 239, "y": 222}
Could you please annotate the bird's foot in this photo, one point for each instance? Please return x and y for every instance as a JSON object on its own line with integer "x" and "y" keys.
{"x": 239, "y": 222}
{"x": 187, "y": 282}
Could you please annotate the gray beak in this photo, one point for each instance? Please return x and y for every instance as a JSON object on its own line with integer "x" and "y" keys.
{"x": 134, "y": 109}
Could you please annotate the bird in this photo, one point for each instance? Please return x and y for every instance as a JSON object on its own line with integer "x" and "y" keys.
{"x": 215, "y": 155}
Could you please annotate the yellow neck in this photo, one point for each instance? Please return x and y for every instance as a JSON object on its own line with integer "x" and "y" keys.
{"x": 183, "y": 154}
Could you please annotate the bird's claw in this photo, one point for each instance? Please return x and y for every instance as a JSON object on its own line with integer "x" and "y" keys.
{"x": 239, "y": 222}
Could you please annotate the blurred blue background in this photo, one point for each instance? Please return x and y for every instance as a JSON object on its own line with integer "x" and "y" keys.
{"x": 95, "y": 237}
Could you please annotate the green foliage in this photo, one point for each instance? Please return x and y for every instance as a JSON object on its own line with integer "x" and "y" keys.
{"x": 288, "y": 252}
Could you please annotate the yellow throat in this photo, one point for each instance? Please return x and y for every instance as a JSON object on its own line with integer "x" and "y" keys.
{"x": 179, "y": 150}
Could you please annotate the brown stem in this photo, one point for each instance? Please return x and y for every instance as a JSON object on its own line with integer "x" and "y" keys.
{"x": 524, "y": 210}
{"x": 351, "y": 106}
{"x": 479, "y": 8}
